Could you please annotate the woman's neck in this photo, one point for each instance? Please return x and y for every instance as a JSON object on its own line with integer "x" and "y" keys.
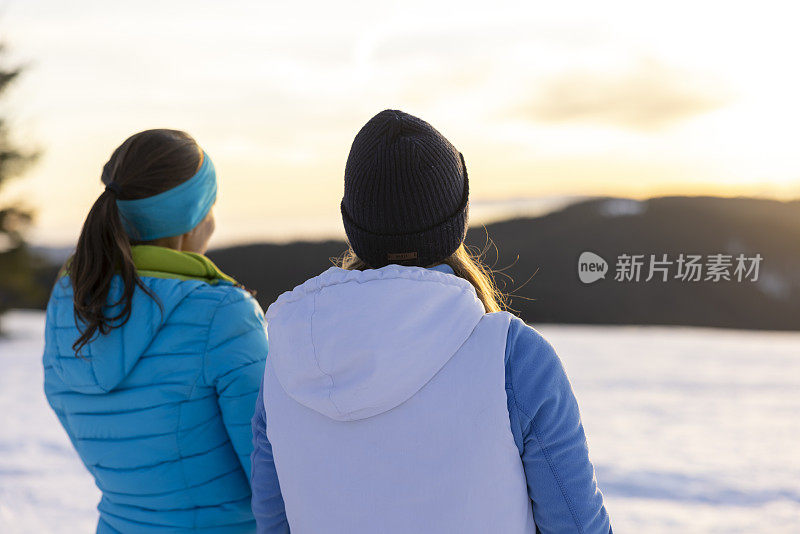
{"x": 174, "y": 242}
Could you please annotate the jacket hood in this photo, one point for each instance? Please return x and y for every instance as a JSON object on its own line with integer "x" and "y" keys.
{"x": 107, "y": 359}
{"x": 354, "y": 344}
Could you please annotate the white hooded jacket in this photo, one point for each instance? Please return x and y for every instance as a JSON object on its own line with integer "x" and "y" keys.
{"x": 386, "y": 408}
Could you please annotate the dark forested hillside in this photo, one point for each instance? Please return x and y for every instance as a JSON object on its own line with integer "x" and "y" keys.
{"x": 544, "y": 251}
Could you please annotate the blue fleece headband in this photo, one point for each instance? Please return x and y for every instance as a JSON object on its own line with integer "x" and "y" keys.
{"x": 173, "y": 212}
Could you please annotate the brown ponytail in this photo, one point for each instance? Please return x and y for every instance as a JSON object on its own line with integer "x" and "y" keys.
{"x": 146, "y": 164}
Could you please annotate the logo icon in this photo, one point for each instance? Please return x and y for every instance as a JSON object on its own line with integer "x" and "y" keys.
{"x": 591, "y": 267}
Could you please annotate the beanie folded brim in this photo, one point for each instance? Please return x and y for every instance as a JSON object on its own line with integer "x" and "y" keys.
{"x": 422, "y": 248}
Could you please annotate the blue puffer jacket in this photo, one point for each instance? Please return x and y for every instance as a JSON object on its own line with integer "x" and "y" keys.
{"x": 159, "y": 409}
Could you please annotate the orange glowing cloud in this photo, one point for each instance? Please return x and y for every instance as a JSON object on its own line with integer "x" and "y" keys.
{"x": 649, "y": 96}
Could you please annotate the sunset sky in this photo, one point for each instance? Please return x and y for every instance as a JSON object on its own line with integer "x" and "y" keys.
{"x": 544, "y": 99}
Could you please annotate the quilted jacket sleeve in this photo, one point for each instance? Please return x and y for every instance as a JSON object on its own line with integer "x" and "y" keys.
{"x": 234, "y": 366}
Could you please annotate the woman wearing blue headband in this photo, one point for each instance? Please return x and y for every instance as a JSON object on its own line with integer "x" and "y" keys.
{"x": 153, "y": 357}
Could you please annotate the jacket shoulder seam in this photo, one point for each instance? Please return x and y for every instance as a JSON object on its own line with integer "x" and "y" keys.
{"x": 219, "y": 305}
{"x": 200, "y": 376}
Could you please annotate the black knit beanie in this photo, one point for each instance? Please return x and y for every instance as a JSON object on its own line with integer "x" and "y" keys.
{"x": 406, "y": 193}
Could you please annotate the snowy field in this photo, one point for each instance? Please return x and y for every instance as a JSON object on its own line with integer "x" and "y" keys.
{"x": 691, "y": 430}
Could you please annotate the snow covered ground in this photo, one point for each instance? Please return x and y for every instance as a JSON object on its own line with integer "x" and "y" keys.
{"x": 691, "y": 430}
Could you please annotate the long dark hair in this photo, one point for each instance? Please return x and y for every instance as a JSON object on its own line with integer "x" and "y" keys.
{"x": 146, "y": 164}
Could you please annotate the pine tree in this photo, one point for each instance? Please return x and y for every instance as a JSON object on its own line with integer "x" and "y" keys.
{"x": 18, "y": 267}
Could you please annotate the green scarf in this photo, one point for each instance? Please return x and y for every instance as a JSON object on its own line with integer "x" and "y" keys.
{"x": 161, "y": 262}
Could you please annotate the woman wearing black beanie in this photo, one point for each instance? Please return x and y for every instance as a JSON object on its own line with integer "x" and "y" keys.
{"x": 397, "y": 396}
